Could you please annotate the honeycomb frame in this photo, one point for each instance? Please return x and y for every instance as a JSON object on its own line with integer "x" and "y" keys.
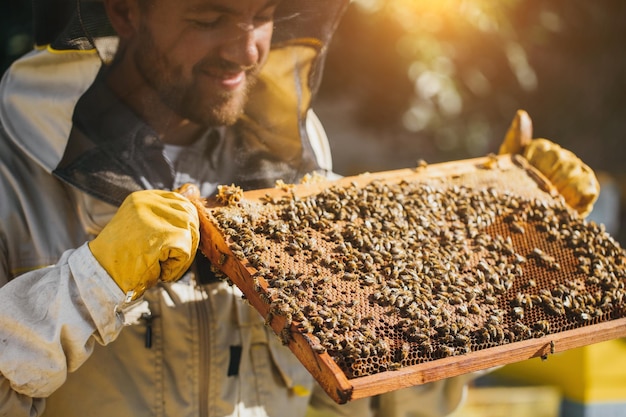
{"x": 386, "y": 280}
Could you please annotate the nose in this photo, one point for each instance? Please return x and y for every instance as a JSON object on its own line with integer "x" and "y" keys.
{"x": 241, "y": 46}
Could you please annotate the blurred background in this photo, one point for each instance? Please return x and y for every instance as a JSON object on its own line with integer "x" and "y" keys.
{"x": 441, "y": 80}
{"x": 444, "y": 78}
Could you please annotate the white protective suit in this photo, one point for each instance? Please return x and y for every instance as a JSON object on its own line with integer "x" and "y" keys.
{"x": 71, "y": 346}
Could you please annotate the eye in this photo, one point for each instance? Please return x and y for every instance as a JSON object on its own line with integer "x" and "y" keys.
{"x": 264, "y": 18}
{"x": 206, "y": 22}
{"x": 266, "y": 15}
{"x": 203, "y": 24}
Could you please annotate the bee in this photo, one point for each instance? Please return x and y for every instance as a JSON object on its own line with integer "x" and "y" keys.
{"x": 305, "y": 326}
{"x": 444, "y": 351}
{"x": 286, "y": 336}
{"x": 269, "y": 199}
{"x": 366, "y": 350}
{"x": 483, "y": 335}
{"x": 348, "y": 276}
{"x": 415, "y": 335}
{"x": 473, "y": 308}
{"x": 369, "y": 280}
{"x": 462, "y": 340}
{"x": 518, "y": 312}
{"x": 553, "y": 309}
{"x": 542, "y": 327}
{"x": 456, "y": 300}
{"x": 490, "y": 300}
{"x": 394, "y": 366}
{"x": 318, "y": 348}
{"x": 517, "y": 227}
{"x": 519, "y": 300}
{"x": 405, "y": 350}
{"x": 521, "y": 330}
{"x": 382, "y": 347}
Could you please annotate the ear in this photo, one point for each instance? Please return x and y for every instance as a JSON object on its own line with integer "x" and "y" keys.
{"x": 124, "y": 16}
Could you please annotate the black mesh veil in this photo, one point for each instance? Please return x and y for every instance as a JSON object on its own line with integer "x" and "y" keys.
{"x": 272, "y": 132}
{"x": 71, "y": 24}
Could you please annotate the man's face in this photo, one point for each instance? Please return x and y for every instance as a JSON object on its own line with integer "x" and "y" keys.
{"x": 202, "y": 56}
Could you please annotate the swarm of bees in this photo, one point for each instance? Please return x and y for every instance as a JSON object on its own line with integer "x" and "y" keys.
{"x": 389, "y": 275}
{"x": 229, "y": 194}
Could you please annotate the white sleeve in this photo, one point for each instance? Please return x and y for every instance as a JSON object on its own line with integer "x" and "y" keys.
{"x": 49, "y": 321}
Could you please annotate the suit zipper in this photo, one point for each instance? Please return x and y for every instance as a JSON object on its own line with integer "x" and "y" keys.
{"x": 204, "y": 351}
{"x": 148, "y": 318}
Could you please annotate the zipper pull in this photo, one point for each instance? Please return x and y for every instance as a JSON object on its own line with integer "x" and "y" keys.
{"x": 148, "y": 317}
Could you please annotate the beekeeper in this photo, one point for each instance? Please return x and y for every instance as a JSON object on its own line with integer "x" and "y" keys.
{"x": 105, "y": 308}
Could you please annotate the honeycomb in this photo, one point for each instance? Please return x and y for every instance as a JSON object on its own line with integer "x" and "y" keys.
{"x": 391, "y": 273}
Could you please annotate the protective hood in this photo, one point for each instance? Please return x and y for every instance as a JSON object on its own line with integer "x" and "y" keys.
{"x": 78, "y": 34}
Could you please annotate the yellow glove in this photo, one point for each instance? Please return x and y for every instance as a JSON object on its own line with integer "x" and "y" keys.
{"x": 153, "y": 236}
{"x": 575, "y": 180}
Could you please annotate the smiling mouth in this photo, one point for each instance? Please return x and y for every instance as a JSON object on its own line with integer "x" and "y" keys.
{"x": 227, "y": 80}
{"x": 233, "y": 80}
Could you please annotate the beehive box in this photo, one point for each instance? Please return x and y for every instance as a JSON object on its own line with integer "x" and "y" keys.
{"x": 387, "y": 280}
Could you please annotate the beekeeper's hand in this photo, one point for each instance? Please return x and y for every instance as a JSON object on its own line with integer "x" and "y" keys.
{"x": 153, "y": 236}
{"x": 576, "y": 182}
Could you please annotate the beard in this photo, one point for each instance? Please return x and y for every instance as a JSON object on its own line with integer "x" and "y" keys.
{"x": 183, "y": 93}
